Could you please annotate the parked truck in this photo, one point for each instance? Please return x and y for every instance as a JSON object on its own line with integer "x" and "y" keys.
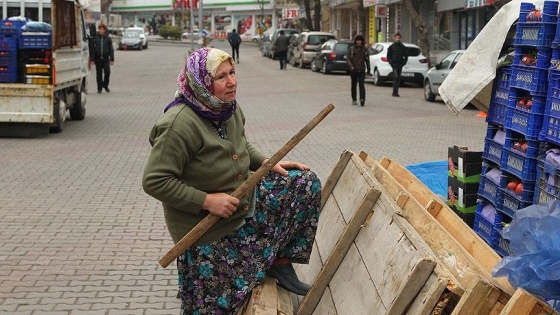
{"x": 43, "y": 74}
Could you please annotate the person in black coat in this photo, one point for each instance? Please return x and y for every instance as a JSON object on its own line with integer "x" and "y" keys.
{"x": 281, "y": 49}
{"x": 396, "y": 54}
{"x": 103, "y": 56}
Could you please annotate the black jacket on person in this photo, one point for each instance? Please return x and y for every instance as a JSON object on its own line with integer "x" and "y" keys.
{"x": 282, "y": 42}
{"x": 103, "y": 48}
{"x": 396, "y": 55}
{"x": 358, "y": 56}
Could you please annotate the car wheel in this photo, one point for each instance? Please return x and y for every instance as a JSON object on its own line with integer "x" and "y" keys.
{"x": 376, "y": 78}
{"x": 293, "y": 61}
{"x": 263, "y": 52}
{"x": 325, "y": 70}
{"x": 428, "y": 95}
{"x": 301, "y": 63}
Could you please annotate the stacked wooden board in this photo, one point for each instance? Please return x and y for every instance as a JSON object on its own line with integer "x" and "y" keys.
{"x": 386, "y": 245}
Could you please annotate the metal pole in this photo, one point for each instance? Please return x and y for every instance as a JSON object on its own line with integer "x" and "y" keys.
{"x": 4, "y": 9}
{"x": 40, "y": 9}
{"x": 22, "y": 8}
{"x": 192, "y": 24}
{"x": 200, "y": 22}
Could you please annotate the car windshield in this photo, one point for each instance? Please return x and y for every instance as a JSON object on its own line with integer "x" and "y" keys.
{"x": 319, "y": 39}
{"x": 341, "y": 47}
{"x": 131, "y": 34}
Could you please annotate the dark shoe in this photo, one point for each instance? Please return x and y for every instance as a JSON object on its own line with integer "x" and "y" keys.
{"x": 354, "y": 103}
{"x": 396, "y": 95}
{"x": 98, "y": 91}
{"x": 362, "y": 102}
{"x": 237, "y": 60}
{"x": 286, "y": 277}
{"x": 107, "y": 89}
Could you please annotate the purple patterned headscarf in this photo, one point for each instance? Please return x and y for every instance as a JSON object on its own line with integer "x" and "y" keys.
{"x": 195, "y": 85}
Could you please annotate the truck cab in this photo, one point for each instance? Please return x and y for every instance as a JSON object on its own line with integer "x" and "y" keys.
{"x": 47, "y": 73}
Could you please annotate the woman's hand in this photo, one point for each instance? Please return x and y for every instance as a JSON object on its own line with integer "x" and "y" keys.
{"x": 283, "y": 166}
{"x": 220, "y": 204}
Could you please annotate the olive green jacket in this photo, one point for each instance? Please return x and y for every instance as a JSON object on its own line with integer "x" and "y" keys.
{"x": 189, "y": 160}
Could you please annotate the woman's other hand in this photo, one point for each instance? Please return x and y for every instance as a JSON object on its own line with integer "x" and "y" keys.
{"x": 220, "y": 204}
{"x": 283, "y": 166}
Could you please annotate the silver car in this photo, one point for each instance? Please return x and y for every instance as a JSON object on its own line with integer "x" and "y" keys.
{"x": 436, "y": 75}
{"x": 307, "y": 45}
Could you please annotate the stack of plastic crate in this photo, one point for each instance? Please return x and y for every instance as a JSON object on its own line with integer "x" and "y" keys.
{"x": 463, "y": 181}
{"x": 9, "y": 33}
{"x": 519, "y": 137}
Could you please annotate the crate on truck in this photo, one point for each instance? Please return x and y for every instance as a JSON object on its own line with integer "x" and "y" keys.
{"x": 43, "y": 68}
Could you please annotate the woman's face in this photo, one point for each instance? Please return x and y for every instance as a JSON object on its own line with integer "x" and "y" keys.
{"x": 225, "y": 83}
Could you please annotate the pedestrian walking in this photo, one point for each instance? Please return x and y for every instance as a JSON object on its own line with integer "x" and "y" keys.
{"x": 199, "y": 156}
{"x": 397, "y": 57}
{"x": 358, "y": 61}
{"x": 103, "y": 57}
{"x": 234, "y": 40}
{"x": 281, "y": 48}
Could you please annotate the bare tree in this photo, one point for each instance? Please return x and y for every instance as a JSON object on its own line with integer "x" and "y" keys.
{"x": 307, "y": 4}
{"x": 421, "y": 26}
{"x": 317, "y": 13}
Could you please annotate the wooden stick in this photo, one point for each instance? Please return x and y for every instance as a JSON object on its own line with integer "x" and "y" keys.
{"x": 203, "y": 226}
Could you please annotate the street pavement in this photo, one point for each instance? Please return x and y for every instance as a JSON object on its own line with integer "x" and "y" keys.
{"x": 79, "y": 236}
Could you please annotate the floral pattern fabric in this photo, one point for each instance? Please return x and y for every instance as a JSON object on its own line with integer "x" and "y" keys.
{"x": 217, "y": 278}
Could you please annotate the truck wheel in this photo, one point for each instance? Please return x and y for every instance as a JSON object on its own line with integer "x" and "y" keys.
{"x": 59, "y": 116}
{"x": 78, "y": 111}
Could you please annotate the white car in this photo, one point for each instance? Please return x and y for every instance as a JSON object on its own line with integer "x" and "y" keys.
{"x": 134, "y": 38}
{"x": 414, "y": 71}
{"x": 436, "y": 75}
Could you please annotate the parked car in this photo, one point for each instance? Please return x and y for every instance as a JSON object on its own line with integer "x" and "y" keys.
{"x": 437, "y": 74}
{"x": 331, "y": 57}
{"x": 134, "y": 38}
{"x": 265, "y": 41}
{"x": 195, "y": 34}
{"x": 414, "y": 71}
{"x": 308, "y": 43}
{"x": 293, "y": 44}
{"x": 288, "y": 32}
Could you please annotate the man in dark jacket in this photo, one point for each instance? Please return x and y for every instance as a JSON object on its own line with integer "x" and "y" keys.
{"x": 103, "y": 56}
{"x": 281, "y": 48}
{"x": 397, "y": 57}
{"x": 358, "y": 61}
{"x": 234, "y": 40}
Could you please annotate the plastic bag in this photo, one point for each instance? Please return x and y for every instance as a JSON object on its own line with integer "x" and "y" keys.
{"x": 534, "y": 236}
{"x": 36, "y": 27}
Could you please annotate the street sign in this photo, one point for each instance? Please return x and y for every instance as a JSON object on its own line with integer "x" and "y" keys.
{"x": 290, "y": 14}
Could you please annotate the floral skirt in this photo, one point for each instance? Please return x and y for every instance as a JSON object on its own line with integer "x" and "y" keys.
{"x": 218, "y": 277}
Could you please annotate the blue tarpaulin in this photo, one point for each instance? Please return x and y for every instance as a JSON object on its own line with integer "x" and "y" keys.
{"x": 433, "y": 175}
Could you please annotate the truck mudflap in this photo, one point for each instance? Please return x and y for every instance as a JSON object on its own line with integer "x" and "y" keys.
{"x": 26, "y": 103}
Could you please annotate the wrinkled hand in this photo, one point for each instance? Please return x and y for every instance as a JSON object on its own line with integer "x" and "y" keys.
{"x": 283, "y": 166}
{"x": 220, "y": 204}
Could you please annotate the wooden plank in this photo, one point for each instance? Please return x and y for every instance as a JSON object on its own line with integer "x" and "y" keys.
{"x": 352, "y": 290}
{"x": 326, "y": 305}
{"x": 264, "y": 299}
{"x": 479, "y": 298}
{"x": 350, "y": 188}
{"x": 285, "y": 302}
{"x": 428, "y": 296}
{"x": 330, "y": 228}
{"x": 333, "y": 262}
{"x": 521, "y": 303}
{"x": 449, "y": 252}
{"x": 308, "y": 273}
{"x": 457, "y": 228}
{"x": 335, "y": 175}
{"x": 414, "y": 282}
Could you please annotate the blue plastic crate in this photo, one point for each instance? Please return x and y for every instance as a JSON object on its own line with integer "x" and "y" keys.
{"x": 540, "y": 56}
{"x": 8, "y": 74}
{"x": 548, "y": 184}
{"x": 497, "y": 112}
{"x": 11, "y": 28}
{"x": 530, "y": 125}
{"x": 550, "y": 130}
{"x": 8, "y": 43}
{"x": 519, "y": 165}
{"x": 549, "y": 12}
{"x": 535, "y": 34}
{"x": 492, "y": 149}
{"x": 488, "y": 189}
{"x": 531, "y": 79}
{"x": 510, "y": 202}
{"x": 35, "y": 41}
{"x": 485, "y": 228}
{"x": 525, "y": 101}
{"x": 502, "y": 78}
{"x": 513, "y": 141}
{"x": 8, "y": 58}
{"x": 501, "y": 245}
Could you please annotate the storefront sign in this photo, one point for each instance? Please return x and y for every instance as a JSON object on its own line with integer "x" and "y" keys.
{"x": 372, "y": 22}
{"x": 478, "y": 3}
{"x": 369, "y": 3}
{"x": 381, "y": 11}
{"x": 290, "y": 14}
